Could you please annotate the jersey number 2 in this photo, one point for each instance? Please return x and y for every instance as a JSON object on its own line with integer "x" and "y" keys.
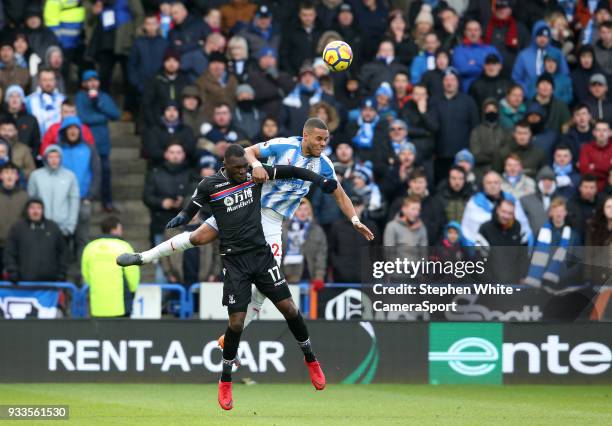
{"x": 275, "y": 250}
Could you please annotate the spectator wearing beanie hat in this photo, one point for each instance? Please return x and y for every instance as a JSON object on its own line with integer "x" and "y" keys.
{"x": 465, "y": 159}
{"x": 192, "y": 108}
{"x": 40, "y": 38}
{"x": 487, "y": 138}
{"x": 96, "y": 108}
{"x": 166, "y": 86}
{"x": 530, "y": 61}
{"x": 27, "y": 125}
{"x": 247, "y": 117}
{"x": 262, "y": 32}
{"x": 217, "y": 85}
{"x": 599, "y": 105}
{"x": 556, "y": 112}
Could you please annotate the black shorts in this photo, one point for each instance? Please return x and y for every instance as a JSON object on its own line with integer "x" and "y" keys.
{"x": 257, "y": 267}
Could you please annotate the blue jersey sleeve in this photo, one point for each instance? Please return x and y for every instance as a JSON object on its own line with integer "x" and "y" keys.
{"x": 327, "y": 168}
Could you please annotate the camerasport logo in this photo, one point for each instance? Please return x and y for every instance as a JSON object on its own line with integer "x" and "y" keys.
{"x": 145, "y": 355}
{"x": 475, "y": 353}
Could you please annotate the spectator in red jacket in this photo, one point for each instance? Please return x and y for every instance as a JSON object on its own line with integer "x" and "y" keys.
{"x": 596, "y": 156}
{"x": 51, "y": 135}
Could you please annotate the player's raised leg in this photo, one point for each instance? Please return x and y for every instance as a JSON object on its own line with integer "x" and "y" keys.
{"x": 181, "y": 242}
{"x": 298, "y": 328}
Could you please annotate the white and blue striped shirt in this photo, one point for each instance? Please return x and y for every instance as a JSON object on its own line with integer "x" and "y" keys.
{"x": 284, "y": 195}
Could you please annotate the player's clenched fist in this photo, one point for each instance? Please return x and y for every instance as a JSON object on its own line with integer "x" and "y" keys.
{"x": 260, "y": 175}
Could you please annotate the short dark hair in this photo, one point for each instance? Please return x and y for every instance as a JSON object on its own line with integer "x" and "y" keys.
{"x": 417, "y": 173}
{"x": 68, "y": 101}
{"x": 562, "y": 147}
{"x": 7, "y": 119}
{"x": 174, "y": 141}
{"x": 522, "y": 123}
{"x": 514, "y": 86}
{"x": 234, "y": 150}
{"x": 457, "y": 169}
{"x": 588, "y": 178}
{"x": 600, "y": 121}
{"x": 315, "y": 123}
{"x": 505, "y": 200}
{"x": 578, "y": 107}
{"x": 402, "y": 72}
{"x": 221, "y": 105}
{"x": 45, "y": 69}
{"x": 605, "y": 24}
{"x": 9, "y": 166}
{"x": 307, "y": 4}
{"x": 109, "y": 223}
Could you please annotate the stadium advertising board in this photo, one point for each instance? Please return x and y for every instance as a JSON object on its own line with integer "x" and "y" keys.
{"x": 494, "y": 353}
{"x": 352, "y": 352}
{"x": 186, "y": 351}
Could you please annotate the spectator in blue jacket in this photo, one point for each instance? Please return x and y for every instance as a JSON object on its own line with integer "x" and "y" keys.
{"x": 530, "y": 61}
{"x": 81, "y": 159}
{"x": 426, "y": 59}
{"x": 563, "y": 83}
{"x": 147, "y": 54}
{"x": 96, "y": 108}
{"x": 188, "y": 31}
{"x": 469, "y": 56}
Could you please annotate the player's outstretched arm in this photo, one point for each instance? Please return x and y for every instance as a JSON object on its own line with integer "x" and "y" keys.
{"x": 290, "y": 172}
{"x": 345, "y": 205}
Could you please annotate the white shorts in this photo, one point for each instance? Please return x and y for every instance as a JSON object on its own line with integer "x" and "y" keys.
{"x": 272, "y": 224}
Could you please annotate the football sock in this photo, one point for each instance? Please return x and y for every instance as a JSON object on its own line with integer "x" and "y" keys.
{"x": 230, "y": 349}
{"x": 175, "y": 244}
{"x": 254, "y": 307}
{"x": 300, "y": 332}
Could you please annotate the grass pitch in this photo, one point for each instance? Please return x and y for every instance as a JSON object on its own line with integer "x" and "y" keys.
{"x": 180, "y": 404}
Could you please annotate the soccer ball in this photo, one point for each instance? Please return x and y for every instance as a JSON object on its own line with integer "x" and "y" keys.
{"x": 338, "y": 56}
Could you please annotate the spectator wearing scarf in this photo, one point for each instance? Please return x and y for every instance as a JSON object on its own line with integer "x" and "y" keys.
{"x": 505, "y": 33}
{"x": 548, "y": 263}
{"x": 305, "y": 254}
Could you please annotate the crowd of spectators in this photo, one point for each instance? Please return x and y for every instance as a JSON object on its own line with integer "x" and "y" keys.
{"x": 459, "y": 123}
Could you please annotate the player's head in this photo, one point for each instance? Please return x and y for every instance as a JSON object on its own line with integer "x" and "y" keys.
{"x": 316, "y": 136}
{"x": 235, "y": 163}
